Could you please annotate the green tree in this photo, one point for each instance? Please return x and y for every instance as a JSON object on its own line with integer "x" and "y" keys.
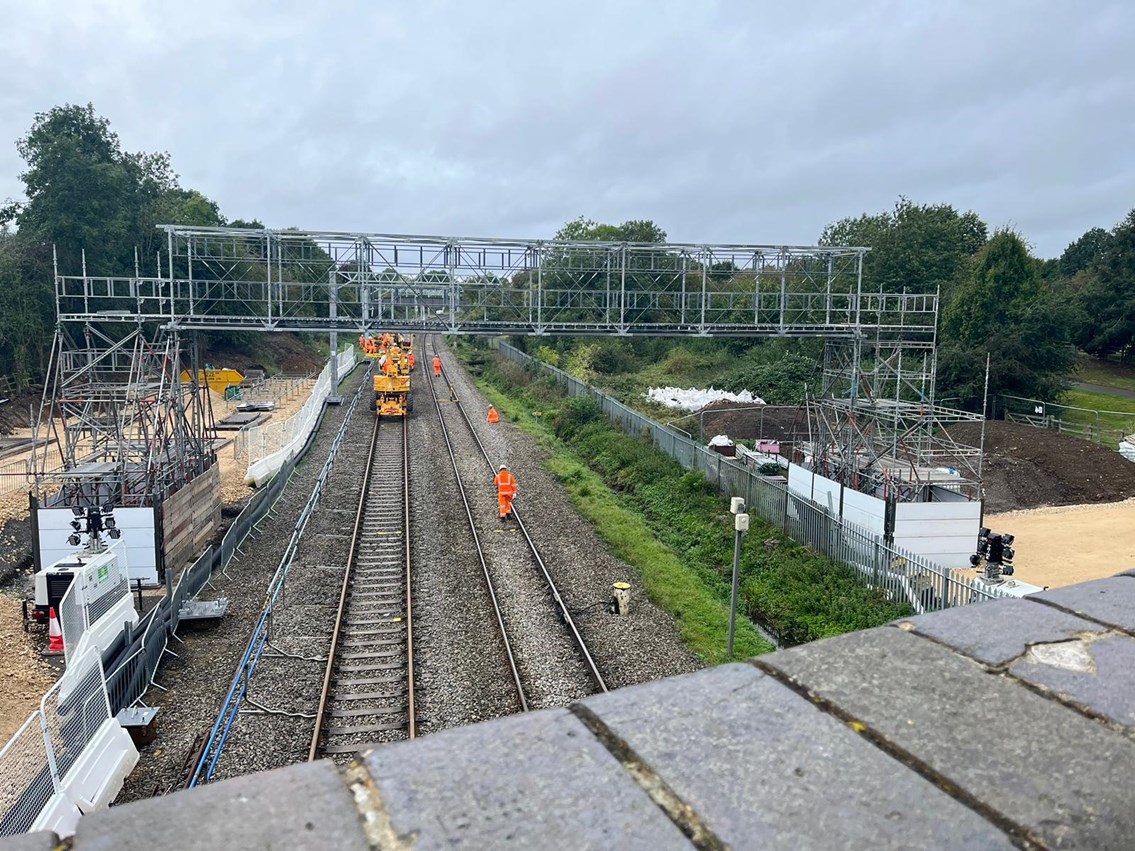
{"x": 916, "y": 247}
{"x": 633, "y": 230}
{"x": 1107, "y": 298}
{"x": 1085, "y": 253}
{"x": 1004, "y": 309}
{"x": 26, "y": 312}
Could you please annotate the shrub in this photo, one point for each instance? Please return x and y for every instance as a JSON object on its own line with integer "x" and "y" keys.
{"x": 680, "y": 362}
{"x": 548, "y": 355}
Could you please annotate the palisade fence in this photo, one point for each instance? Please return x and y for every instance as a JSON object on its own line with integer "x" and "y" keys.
{"x": 29, "y": 771}
{"x": 901, "y": 574}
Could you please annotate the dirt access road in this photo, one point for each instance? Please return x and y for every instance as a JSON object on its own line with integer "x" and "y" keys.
{"x": 1066, "y": 544}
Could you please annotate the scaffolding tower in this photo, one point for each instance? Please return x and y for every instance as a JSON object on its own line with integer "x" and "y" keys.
{"x": 116, "y": 423}
{"x": 877, "y": 427}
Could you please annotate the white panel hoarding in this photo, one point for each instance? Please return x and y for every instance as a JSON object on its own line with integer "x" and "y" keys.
{"x": 137, "y": 525}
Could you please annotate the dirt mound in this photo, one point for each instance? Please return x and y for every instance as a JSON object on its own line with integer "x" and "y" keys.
{"x": 271, "y": 352}
{"x": 745, "y": 422}
{"x": 1028, "y": 467}
{"x": 18, "y": 411}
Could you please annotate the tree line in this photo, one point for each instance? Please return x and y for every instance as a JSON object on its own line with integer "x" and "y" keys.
{"x": 83, "y": 194}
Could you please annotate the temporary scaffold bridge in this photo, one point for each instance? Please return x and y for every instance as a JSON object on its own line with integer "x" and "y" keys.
{"x": 291, "y": 280}
{"x": 873, "y": 421}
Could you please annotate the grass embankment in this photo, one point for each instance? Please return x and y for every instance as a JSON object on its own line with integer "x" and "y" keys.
{"x": 1116, "y": 416}
{"x": 1105, "y": 373}
{"x": 672, "y": 527}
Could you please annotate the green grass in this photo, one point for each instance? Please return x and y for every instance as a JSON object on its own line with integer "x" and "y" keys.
{"x": 1105, "y": 373}
{"x": 676, "y": 531}
{"x": 1113, "y": 423}
{"x": 1098, "y": 401}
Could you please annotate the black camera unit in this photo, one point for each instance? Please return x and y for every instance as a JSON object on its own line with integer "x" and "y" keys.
{"x": 996, "y": 552}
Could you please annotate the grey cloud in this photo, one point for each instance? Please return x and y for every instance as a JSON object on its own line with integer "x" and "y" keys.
{"x": 721, "y": 121}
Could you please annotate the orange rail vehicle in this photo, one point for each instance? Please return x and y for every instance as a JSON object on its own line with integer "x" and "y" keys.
{"x": 392, "y": 396}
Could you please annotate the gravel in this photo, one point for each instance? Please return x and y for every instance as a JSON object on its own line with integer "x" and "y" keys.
{"x": 550, "y": 668}
{"x": 196, "y": 679}
{"x": 460, "y": 667}
{"x": 627, "y": 650}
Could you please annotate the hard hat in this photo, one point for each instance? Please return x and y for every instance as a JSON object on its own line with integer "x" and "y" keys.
{"x": 504, "y": 466}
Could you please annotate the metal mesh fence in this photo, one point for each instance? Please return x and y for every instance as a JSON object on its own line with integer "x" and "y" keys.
{"x": 260, "y": 441}
{"x": 73, "y": 709}
{"x": 900, "y": 574}
{"x": 76, "y": 617}
{"x": 26, "y": 782}
{"x": 72, "y": 619}
{"x": 13, "y": 475}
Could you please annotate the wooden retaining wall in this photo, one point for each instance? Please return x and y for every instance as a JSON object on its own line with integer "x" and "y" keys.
{"x": 190, "y": 518}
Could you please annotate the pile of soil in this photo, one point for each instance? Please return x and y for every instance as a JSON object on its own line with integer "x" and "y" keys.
{"x": 1028, "y": 467}
{"x": 275, "y": 352}
{"x": 18, "y": 411}
{"x": 743, "y": 421}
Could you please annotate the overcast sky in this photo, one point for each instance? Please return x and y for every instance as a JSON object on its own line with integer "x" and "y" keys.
{"x": 724, "y": 122}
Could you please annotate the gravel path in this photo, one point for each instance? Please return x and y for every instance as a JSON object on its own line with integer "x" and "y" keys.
{"x": 641, "y": 647}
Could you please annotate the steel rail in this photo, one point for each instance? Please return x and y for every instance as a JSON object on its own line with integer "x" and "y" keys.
{"x": 561, "y": 604}
{"x": 412, "y": 722}
{"x": 328, "y": 673}
{"x": 511, "y": 656}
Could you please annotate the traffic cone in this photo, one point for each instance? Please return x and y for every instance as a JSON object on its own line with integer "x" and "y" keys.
{"x": 54, "y": 633}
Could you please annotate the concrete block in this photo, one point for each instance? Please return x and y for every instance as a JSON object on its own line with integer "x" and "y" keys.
{"x": 1097, "y": 674}
{"x": 1000, "y": 630}
{"x": 1110, "y": 601}
{"x": 1063, "y": 778}
{"x": 764, "y": 767}
{"x": 302, "y": 807}
{"x": 538, "y": 780}
{"x": 41, "y": 840}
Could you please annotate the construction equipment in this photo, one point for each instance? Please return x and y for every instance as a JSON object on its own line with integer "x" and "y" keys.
{"x": 392, "y": 396}
{"x": 92, "y": 584}
{"x": 218, "y": 380}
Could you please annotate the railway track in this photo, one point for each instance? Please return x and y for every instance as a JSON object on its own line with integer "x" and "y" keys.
{"x": 368, "y": 684}
{"x": 563, "y": 613}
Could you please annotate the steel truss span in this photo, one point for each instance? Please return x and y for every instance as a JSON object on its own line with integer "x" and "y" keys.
{"x": 292, "y": 280}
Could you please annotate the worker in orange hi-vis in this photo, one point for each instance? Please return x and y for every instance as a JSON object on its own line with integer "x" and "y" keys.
{"x": 437, "y": 366}
{"x": 410, "y": 358}
{"x": 506, "y": 491}
{"x": 494, "y": 417}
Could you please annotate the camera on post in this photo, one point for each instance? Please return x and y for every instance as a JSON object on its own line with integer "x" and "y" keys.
{"x": 995, "y": 552}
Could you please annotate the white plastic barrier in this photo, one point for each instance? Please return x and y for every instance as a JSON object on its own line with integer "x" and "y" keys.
{"x": 271, "y": 444}
{"x": 69, "y": 758}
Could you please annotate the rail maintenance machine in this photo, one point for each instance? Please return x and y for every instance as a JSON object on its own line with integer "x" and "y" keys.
{"x": 394, "y": 356}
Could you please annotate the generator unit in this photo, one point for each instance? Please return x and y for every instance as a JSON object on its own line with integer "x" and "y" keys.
{"x": 98, "y": 574}
{"x": 392, "y": 396}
